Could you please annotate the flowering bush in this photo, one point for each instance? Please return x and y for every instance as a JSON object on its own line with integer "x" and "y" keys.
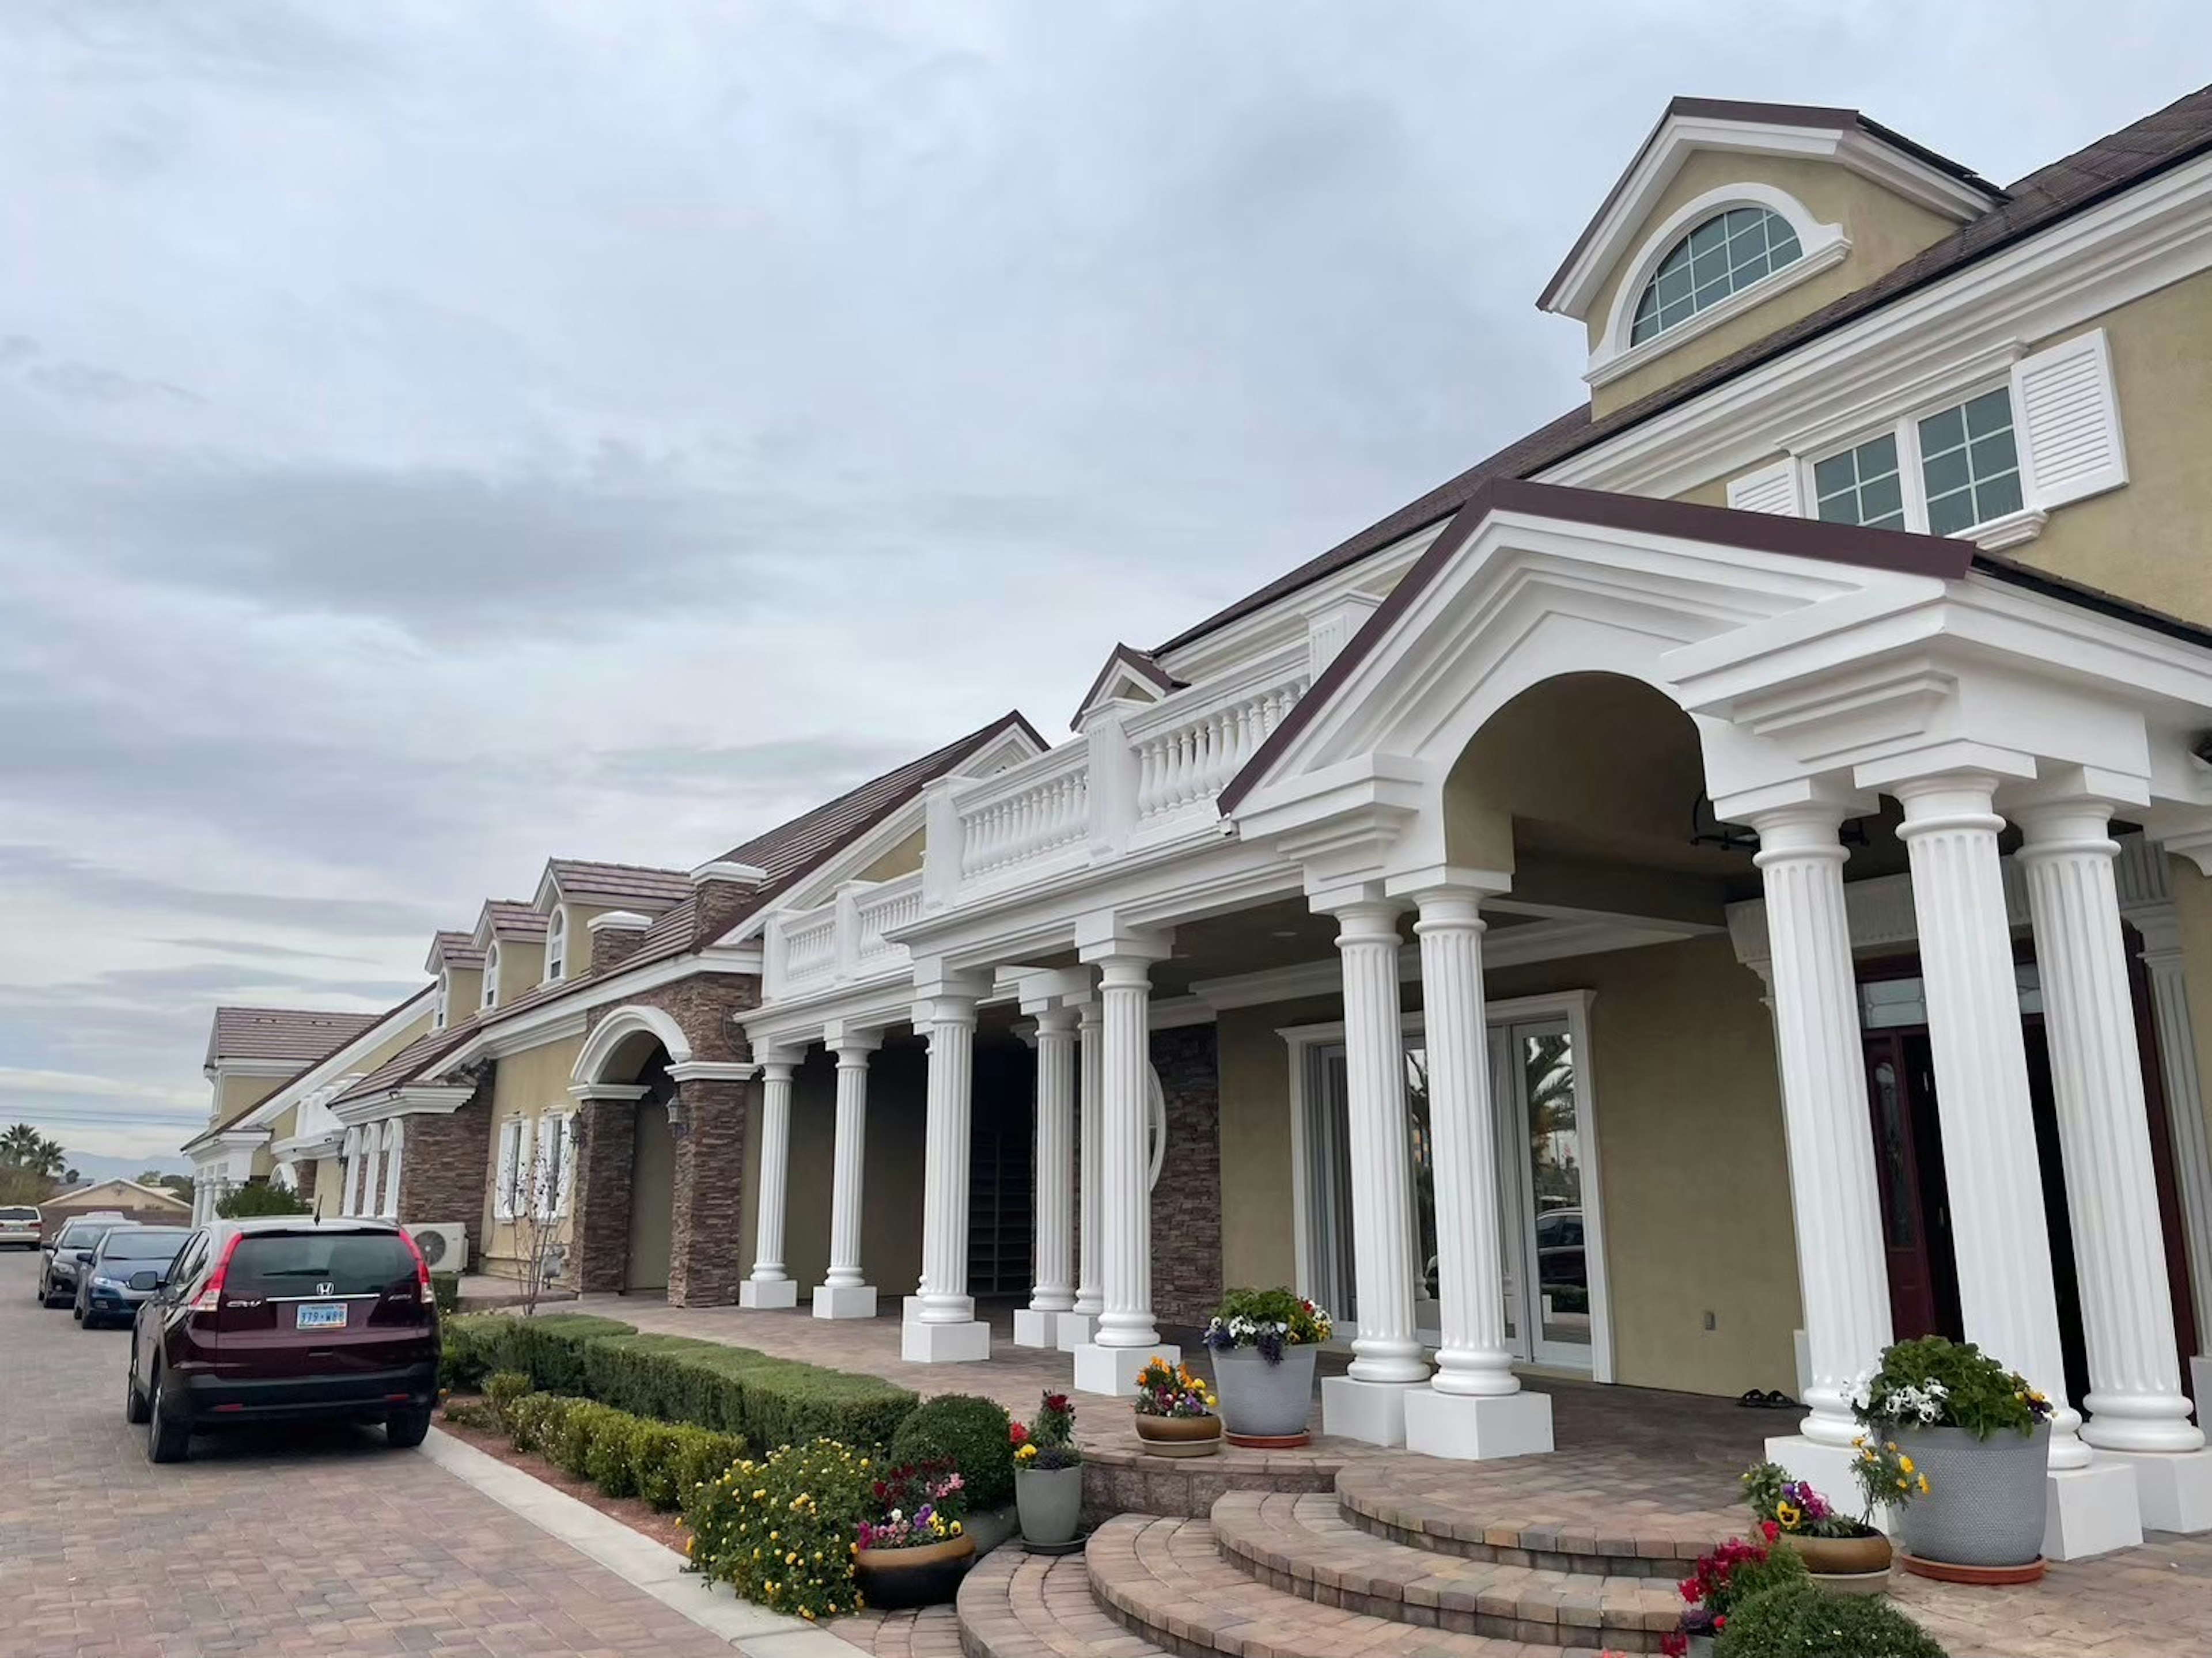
{"x": 1887, "y": 1477}
{"x": 970, "y": 1432}
{"x": 1801, "y": 1620}
{"x": 779, "y": 1531}
{"x": 1723, "y": 1580}
{"x": 1047, "y": 1442}
{"x": 1934, "y": 1383}
{"x": 916, "y": 1503}
{"x": 1269, "y": 1319}
{"x": 1784, "y": 1504}
{"x": 1165, "y": 1389}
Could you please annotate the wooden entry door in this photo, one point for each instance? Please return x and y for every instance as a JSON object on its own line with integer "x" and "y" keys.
{"x": 1916, "y": 1208}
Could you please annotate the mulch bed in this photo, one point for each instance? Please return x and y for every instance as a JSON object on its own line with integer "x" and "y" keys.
{"x": 633, "y": 1512}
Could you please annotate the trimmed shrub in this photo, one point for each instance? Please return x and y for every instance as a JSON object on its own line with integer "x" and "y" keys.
{"x": 535, "y": 1421}
{"x": 502, "y": 1388}
{"x": 446, "y": 1291}
{"x": 473, "y": 1413}
{"x": 780, "y": 1532}
{"x": 972, "y": 1433}
{"x": 569, "y": 1444}
{"x": 700, "y": 1457}
{"x": 1800, "y": 1620}
{"x": 653, "y": 1471}
{"x": 611, "y": 1458}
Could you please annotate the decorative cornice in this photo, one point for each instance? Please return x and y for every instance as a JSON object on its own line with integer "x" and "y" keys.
{"x": 712, "y": 1070}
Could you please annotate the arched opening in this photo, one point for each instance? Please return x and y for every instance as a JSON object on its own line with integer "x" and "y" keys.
{"x": 623, "y": 1188}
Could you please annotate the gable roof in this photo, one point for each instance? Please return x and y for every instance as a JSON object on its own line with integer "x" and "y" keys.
{"x": 510, "y": 918}
{"x": 409, "y": 1062}
{"x": 2138, "y": 152}
{"x": 375, "y": 1023}
{"x": 625, "y": 886}
{"x": 282, "y": 1033}
{"x": 76, "y": 1195}
{"x": 450, "y": 948}
{"x": 1125, "y": 664}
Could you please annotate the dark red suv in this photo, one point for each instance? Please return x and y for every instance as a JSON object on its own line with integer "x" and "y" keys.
{"x": 282, "y": 1319}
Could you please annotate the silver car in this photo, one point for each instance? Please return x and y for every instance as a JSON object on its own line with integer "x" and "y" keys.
{"x": 19, "y": 1228}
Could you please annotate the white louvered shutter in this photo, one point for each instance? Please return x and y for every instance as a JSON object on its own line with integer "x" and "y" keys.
{"x": 527, "y": 1182}
{"x": 567, "y": 1163}
{"x": 1770, "y": 489}
{"x": 503, "y": 1195}
{"x": 2069, "y": 421}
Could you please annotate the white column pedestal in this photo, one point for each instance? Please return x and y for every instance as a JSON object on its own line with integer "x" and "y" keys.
{"x": 768, "y": 1294}
{"x": 910, "y": 1307}
{"x": 965, "y": 1341}
{"x": 1073, "y": 1330}
{"x": 1037, "y": 1328}
{"x": 844, "y": 1300}
{"x": 2092, "y": 1510}
{"x": 2174, "y": 1492}
{"x": 1112, "y": 1371}
{"x": 1472, "y": 1427}
{"x": 1372, "y": 1411}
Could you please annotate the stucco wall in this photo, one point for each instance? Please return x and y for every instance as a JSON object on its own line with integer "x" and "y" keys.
{"x": 529, "y": 1084}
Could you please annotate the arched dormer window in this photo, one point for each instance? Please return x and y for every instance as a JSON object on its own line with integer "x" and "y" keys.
{"x": 491, "y": 977}
{"x": 557, "y": 946}
{"x": 1729, "y": 250}
{"x": 440, "y": 1004}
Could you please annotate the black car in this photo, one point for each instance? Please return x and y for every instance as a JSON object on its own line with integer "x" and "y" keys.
{"x": 60, "y": 1260}
{"x": 126, "y": 1267}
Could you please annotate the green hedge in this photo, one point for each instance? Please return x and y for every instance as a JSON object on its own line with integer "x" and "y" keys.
{"x": 730, "y": 1390}
{"x": 623, "y": 1455}
{"x": 971, "y": 1433}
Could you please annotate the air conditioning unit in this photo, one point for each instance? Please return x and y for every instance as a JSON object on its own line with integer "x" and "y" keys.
{"x": 445, "y": 1247}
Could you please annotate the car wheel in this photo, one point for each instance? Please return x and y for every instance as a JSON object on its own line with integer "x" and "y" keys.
{"x": 403, "y": 1429}
{"x": 165, "y": 1441}
{"x": 134, "y": 1402}
{"x": 76, "y": 1310}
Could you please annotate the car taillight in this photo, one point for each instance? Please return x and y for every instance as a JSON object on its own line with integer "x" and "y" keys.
{"x": 429, "y": 1296}
{"x": 209, "y": 1300}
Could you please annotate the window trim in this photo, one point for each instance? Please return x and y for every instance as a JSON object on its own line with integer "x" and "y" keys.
{"x": 488, "y": 999}
{"x": 441, "y": 1003}
{"x": 557, "y": 945}
{"x": 1991, "y": 535}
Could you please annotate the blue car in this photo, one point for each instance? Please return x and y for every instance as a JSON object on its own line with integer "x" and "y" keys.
{"x": 127, "y": 1266}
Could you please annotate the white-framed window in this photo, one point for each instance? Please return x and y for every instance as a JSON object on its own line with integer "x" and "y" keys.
{"x": 491, "y": 977}
{"x": 557, "y": 945}
{"x": 1946, "y": 471}
{"x": 442, "y": 1002}
{"x": 513, "y": 1154}
{"x": 1729, "y": 250}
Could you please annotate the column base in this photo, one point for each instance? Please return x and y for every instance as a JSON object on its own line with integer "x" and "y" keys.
{"x": 1827, "y": 1469}
{"x": 844, "y": 1301}
{"x": 2092, "y": 1510}
{"x": 2173, "y": 1489}
{"x": 1474, "y": 1427}
{"x": 2200, "y": 1379}
{"x": 1033, "y": 1328}
{"x": 1073, "y": 1330}
{"x": 910, "y": 1308}
{"x": 944, "y": 1344}
{"x": 768, "y": 1294}
{"x": 1372, "y": 1411}
{"x": 1112, "y": 1371}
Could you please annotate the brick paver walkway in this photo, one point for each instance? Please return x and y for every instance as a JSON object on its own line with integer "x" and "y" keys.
{"x": 326, "y": 1542}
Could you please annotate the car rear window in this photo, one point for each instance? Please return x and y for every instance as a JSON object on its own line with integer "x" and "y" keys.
{"x": 142, "y": 1244}
{"x": 16, "y": 1216}
{"x": 279, "y": 1264}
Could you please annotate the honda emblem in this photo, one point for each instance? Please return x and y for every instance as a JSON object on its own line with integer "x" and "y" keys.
{"x": 325, "y": 1288}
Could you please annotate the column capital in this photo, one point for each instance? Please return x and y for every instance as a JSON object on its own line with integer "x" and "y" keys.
{"x": 1103, "y": 939}
{"x": 1948, "y": 800}
{"x": 944, "y": 1010}
{"x": 1364, "y": 915}
{"x": 1056, "y": 1021}
{"x": 777, "y": 1064}
{"x": 2068, "y": 825}
{"x": 587, "y": 1091}
{"x": 1448, "y": 880}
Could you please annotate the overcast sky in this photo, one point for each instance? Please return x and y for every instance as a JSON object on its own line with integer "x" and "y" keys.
{"x": 437, "y": 436}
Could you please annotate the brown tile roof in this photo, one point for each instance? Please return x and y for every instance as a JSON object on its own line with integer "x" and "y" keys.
{"x": 408, "y": 1063}
{"x": 375, "y": 1021}
{"x": 511, "y": 917}
{"x": 456, "y": 949}
{"x": 632, "y": 886}
{"x": 282, "y": 1033}
{"x": 2136, "y": 153}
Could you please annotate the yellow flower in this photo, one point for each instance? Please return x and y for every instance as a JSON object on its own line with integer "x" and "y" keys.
{"x": 1789, "y": 1515}
{"x": 1905, "y": 1463}
{"x": 1923, "y": 1484}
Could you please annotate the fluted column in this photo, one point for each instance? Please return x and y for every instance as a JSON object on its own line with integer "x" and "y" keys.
{"x": 1997, "y": 1224}
{"x": 2134, "y": 1400}
{"x": 1075, "y": 1326}
{"x": 1843, "y": 1270}
{"x": 2160, "y": 931}
{"x": 770, "y": 1285}
{"x": 1052, "y": 1290}
{"x": 947, "y": 1329}
{"x": 844, "y": 1291}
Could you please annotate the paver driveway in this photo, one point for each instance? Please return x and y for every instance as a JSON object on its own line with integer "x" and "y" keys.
{"x": 322, "y": 1541}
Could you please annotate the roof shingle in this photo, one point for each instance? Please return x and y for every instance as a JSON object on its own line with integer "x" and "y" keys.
{"x": 282, "y": 1033}
{"x": 632, "y": 886}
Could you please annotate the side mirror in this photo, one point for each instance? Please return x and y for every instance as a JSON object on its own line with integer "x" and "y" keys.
{"x": 149, "y": 1279}
{"x": 84, "y": 1254}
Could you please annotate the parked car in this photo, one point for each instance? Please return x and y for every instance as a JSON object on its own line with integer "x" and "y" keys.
{"x": 126, "y": 1267}
{"x": 19, "y": 1228}
{"x": 285, "y": 1318}
{"x": 68, "y": 1249}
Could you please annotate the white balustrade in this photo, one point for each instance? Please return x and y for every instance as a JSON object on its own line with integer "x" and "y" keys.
{"x": 886, "y": 909}
{"x": 810, "y": 946}
{"x": 1192, "y": 744}
{"x": 1026, "y": 813}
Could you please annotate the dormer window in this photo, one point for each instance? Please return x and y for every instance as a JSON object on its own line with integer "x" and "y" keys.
{"x": 440, "y": 1003}
{"x": 491, "y": 977}
{"x": 1728, "y": 252}
{"x": 557, "y": 946}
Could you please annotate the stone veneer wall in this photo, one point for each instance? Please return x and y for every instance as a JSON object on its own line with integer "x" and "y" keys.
{"x": 303, "y": 1173}
{"x": 442, "y": 1159}
{"x": 599, "y": 1201}
{"x": 703, "y": 1253}
{"x": 1187, "y": 1202}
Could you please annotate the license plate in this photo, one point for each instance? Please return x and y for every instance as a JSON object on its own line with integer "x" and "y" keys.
{"x": 321, "y": 1316}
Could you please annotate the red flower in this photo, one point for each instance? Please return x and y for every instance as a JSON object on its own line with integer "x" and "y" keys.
{"x": 1675, "y": 1644}
{"x": 1018, "y": 1433}
{"x": 1771, "y": 1530}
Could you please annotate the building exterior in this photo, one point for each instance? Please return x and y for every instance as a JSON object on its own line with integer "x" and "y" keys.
{"x": 1719, "y": 884}
{"x": 148, "y": 1204}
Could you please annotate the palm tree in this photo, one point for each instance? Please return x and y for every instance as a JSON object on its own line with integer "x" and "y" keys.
{"x": 26, "y": 1148}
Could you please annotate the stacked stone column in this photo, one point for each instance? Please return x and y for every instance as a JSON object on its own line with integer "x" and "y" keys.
{"x": 599, "y": 1193}
{"x": 710, "y": 1131}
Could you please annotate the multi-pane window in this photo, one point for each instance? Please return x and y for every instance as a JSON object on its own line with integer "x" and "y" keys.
{"x": 1861, "y": 486}
{"x": 557, "y": 947}
{"x": 1969, "y": 464}
{"x": 491, "y": 977}
{"x": 1728, "y": 252}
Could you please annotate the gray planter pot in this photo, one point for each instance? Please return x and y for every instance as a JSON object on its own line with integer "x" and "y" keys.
{"x": 1051, "y": 1503}
{"x": 988, "y": 1527}
{"x": 1260, "y": 1400}
{"x": 1986, "y": 1496}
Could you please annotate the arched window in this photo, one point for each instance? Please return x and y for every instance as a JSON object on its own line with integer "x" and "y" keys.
{"x": 437, "y": 1006}
{"x": 491, "y": 976}
{"x": 1729, "y": 250}
{"x": 557, "y": 946}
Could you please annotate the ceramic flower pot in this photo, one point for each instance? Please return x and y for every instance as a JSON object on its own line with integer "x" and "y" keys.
{"x": 1051, "y": 1503}
{"x": 928, "y": 1575}
{"x": 1986, "y": 1496}
{"x": 1180, "y": 1436}
{"x": 1264, "y": 1401}
{"x": 1852, "y": 1564}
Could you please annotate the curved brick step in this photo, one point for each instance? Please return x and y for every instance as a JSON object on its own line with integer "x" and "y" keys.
{"x": 1565, "y": 1512}
{"x": 1303, "y": 1546}
{"x": 1165, "y": 1580}
{"x": 1018, "y": 1605}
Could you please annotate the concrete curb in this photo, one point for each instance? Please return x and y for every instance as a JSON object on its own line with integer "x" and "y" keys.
{"x": 637, "y": 1560}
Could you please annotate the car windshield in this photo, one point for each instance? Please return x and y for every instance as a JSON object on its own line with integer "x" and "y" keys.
{"x": 85, "y": 1234}
{"x": 147, "y": 1243}
{"x": 309, "y": 1264}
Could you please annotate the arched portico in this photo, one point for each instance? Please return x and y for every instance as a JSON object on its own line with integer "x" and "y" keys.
{"x": 623, "y": 1202}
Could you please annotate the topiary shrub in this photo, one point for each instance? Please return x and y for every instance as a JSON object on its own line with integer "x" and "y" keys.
{"x": 780, "y": 1532}
{"x": 970, "y": 1432}
{"x": 1800, "y": 1620}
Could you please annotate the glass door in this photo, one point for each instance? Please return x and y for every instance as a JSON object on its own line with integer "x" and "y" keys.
{"x": 1547, "y": 1266}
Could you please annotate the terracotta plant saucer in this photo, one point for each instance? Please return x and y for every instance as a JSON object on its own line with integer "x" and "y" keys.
{"x": 1269, "y": 1441}
{"x": 1987, "y": 1576}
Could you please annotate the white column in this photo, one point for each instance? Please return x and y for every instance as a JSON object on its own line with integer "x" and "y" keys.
{"x": 1052, "y": 1290}
{"x": 1369, "y": 1402}
{"x": 947, "y": 1330}
{"x": 2160, "y": 930}
{"x": 844, "y": 1291}
{"x": 1474, "y": 1406}
{"x": 371, "y": 1169}
{"x": 394, "y": 1141}
{"x": 770, "y": 1285}
{"x": 1075, "y": 1328}
{"x": 1997, "y": 1224}
{"x": 2134, "y": 1400}
{"x": 1126, "y": 1336}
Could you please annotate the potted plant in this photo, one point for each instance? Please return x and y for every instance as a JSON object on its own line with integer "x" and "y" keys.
{"x": 1048, "y": 1476}
{"x": 1841, "y": 1552}
{"x": 1969, "y": 1440}
{"x": 1723, "y": 1580}
{"x": 914, "y": 1552}
{"x": 1264, "y": 1342}
{"x": 1175, "y": 1411}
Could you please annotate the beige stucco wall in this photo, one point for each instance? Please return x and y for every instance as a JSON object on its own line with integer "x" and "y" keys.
{"x": 234, "y": 1093}
{"x": 1259, "y": 1245}
{"x": 463, "y": 990}
{"x": 329, "y": 1179}
{"x": 521, "y": 966}
{"x": 903, "y": 859}
{"x": 530, "y": 1083}
{"x": 1884, "y": 230}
